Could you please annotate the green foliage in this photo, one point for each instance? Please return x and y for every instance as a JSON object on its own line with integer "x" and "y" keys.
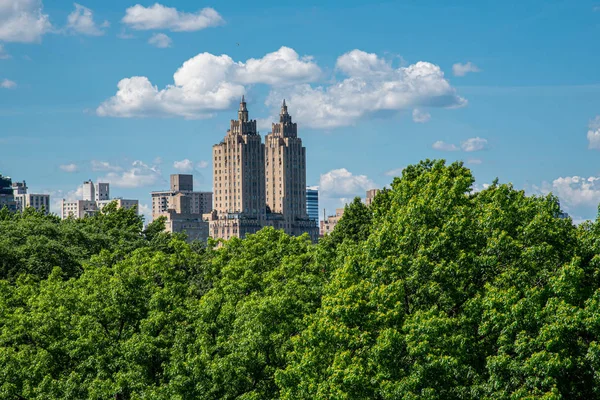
{"x": 432, "y": 292}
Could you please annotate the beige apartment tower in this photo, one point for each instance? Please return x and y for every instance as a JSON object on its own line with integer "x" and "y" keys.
{"x": 238, "y": 180}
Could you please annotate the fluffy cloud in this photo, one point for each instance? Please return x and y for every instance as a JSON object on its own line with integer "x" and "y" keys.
{"x": 394, "y": 172}
{"x": 204, "y": 84}
{"x": 161, "y": 17}
{"x": 184, "y": 165}
{"x": 342, "y": 183}
{"x": 443, "y": 146}
{"x": 81, "y": 21}
{"x": 3, "y": 54}
{"x": 104, "y": 166}
{"x": 577, "y": 191}
{"x": 8, "y": 84}
{"x": 372, "y": 85}
{"x": 459, "y": 69}
{"x": 420, "y": 116}
{"x": 69, "y": 167}
{"x": 593, "y": 134}
{"x": 23, "y": 21}
{"x": 160, "y": 40}
{"x": 469, "y": 145}
{"x": 474, "y": 144}
{"x": 138, "y": 175}
{"x": 202, "y": 164}
{"x": 146, "y": 212}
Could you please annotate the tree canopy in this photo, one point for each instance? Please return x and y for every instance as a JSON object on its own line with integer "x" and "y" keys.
{"x": 434, "y": 291}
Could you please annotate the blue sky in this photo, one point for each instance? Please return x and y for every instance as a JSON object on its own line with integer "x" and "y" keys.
{"x": 512, "y": 88}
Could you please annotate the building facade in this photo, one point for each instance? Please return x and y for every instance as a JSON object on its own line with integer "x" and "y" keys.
{"x": 7, "y": 198}
{"x": 94, "y": 198}
{"x": 370, "y": 196}
{"x": 23, "y": 200}
{"x": 329, "y": 223}
{"x": 183, "y": 208}
{"x": 312, "y": 203}
{"x": 257, "y": 185}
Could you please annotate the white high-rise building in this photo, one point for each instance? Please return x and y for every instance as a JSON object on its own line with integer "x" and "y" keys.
{"x": 94, "y": 198}
{"x": 24, "y": 200}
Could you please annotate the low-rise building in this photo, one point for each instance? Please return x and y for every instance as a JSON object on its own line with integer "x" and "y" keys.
{"x": 94, "y": 199}
{"x": 329, "y": 223}
{"x": 23, "y": 200}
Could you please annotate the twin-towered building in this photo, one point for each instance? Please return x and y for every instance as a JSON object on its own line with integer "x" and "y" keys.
{"x": 259, "y": 184}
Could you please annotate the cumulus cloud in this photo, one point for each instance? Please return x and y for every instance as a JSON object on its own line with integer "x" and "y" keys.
{"x": 420, "y": 116}
{"x": 23, "y": 21}
{"x": 104, "y": 166}
{"x": 8, "y": 84}
{"x": 443, "y": 146}
{"x": 474, "y": 144}
{"x": 342, "y": 183}
{"x": 3, "y": 54}
{"x": 204, "y": 84}
{"x": 160, "y": 40}
{"x": 459, "y": 69}
{"x": 202, "y": 164}
{"x": 146, "y": 212}
{"x": 81, "y": 21}
{"x": 394, "y": 172}
{"x": 593, "y": 134}
{"x": 160, "y": 17}
{"x": 138, "y": 175}
{"x": 371, "y": 85}
{"x": 184, "y": 165}
{"x": 577, "y": 191}
{"x": 69, "y": 167}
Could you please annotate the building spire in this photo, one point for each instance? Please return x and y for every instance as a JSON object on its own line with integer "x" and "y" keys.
{"x": 243, "y": 111}
{"x": 284, "y": 110}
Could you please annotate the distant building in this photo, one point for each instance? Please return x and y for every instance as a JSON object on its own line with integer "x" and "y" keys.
{"x": 183, "y": 208}
{"x": 24, "y": 200}
{"x": 162, "y": 201}
{"x": 7, "y": 198}
{"x": 312, "y": 203}
{"x": 370, "y": 196}
{"x": 94, "y": 198}
{"x": 257, "y": 185}
{"x": 329, "y": 223}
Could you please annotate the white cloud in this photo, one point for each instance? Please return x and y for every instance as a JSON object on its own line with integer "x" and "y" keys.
{"x": 474, "y": 161}
{"x": 459, "y": 69}
{"x": 204, "y": 84}
{"x": 342, "y": 183}
{"x": 23, "y": 21}
{"x": 104, "y": 166}
{"x": 8, "y": 84}
{"x": 593, "y": 134}
{"x": 184, "y": 165}
{"x": 146, "y": 211}
{"x": 474, "y": 144}
{"x": 69, "y": 167}
{"x": 161, "y": 17}
{"x": 202, "y": 164}
{"x": 138, "y": 175}
{"x": 394, "y": 172}
{"x": 420, "y": 116}
{"x": 3, "y": 54}
{"x": 443, "y": 146}
{"x": 577, "y": 191}
{"x": 160, "y": 40}
{"x": 81, "y": 21}
{"x": 372, "y": 85}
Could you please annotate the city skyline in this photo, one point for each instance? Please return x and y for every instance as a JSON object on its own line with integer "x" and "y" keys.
{"x": 511, "y": 89}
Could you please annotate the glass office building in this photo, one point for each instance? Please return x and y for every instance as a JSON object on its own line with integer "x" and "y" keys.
{"x": 312, "y": 203}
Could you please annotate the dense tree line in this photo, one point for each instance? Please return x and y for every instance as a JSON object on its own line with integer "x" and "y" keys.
{"x": 434, "y": 291}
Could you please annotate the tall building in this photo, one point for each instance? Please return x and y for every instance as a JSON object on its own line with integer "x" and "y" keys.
{"x": 370, "y": 196}
{"x": 24, "y": 200}
{"x": 183, "y": 207}
{"x": 312, "y": 203}
{"x": 200, "y": 202}
{"x": 7, "y": 198}
{"x": 238, "y": 180}
{"x": 329, "y": 223}
{"x": 94, "y": 199}
{"x": 257, "y": 185}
